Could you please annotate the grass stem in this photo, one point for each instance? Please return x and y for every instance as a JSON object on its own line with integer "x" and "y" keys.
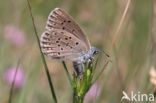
{"x": 120, "y": 24}
{"x": 42, "y": 56}
{"x": 13, "y": 82}
{"x": 67, "y": 73}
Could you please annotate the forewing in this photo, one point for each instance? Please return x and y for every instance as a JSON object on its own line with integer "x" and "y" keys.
{"x": 60, "y": 44}
{"x": 59, "y": 19}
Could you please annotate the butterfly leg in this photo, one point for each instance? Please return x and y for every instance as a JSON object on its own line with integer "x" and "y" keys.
{"x": 90, "y": 60}
{"x": 79, "y": 68}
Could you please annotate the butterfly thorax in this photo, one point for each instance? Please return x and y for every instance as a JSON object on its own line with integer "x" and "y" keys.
{"x": 90, "y": 55}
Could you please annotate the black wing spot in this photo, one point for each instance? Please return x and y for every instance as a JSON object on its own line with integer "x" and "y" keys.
{"x": 55, "y": 33}
{"x": 69, "y": 21}
{"x": 66, "y": 38}
{"x": 61, "y": 48}
{"x": 57, "y": 41}
{"x": 64, "y": 21}
{"x": 76, "y": 43}
{"x": 59, "y": 38}
{"x": 69, "y": 37}
{"x": 58, "y": 53}
{"x": 71, "y": 47}
{"x": 58, "y": 45}
{"x": 63, "y": 28}
{"x": 50, "y": 20}
{"x": 47, "y": 34}
{"x": 52, "y": 16}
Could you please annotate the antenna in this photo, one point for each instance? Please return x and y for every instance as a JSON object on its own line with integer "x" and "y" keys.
{"x": 108, "y": 57}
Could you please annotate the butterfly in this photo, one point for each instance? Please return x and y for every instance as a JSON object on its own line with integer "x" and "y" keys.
{"x": 65, "y": 40}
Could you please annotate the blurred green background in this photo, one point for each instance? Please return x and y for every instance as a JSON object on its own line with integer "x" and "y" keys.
{"x": 132, "y": 55}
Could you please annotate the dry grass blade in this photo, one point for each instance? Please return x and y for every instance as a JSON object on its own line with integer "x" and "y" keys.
{"x": 120, "y": 24}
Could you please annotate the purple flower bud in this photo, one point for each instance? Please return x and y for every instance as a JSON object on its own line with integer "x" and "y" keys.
{"x": 93, "y": 92}
{"x": 9, "y": 75}
{"x": 14, "y": 35}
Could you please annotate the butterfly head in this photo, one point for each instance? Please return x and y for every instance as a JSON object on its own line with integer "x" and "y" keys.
{"x": 94, "y": 51}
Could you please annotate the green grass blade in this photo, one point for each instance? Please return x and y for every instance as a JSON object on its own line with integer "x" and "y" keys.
{"x": 99, "y": 74}
{"x": 67, "y": 73}
{"x": 94, "y": 68}
{"x": 42, "y": 56}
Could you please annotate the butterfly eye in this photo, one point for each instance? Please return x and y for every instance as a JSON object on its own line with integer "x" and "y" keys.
{"x": 95, "y": 52}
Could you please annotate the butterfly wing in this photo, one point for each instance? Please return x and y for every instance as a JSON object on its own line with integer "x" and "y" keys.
{"x": 64, "y": 47}
{"x": 63, "y": 38}
{"x": 59, "y": 19}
